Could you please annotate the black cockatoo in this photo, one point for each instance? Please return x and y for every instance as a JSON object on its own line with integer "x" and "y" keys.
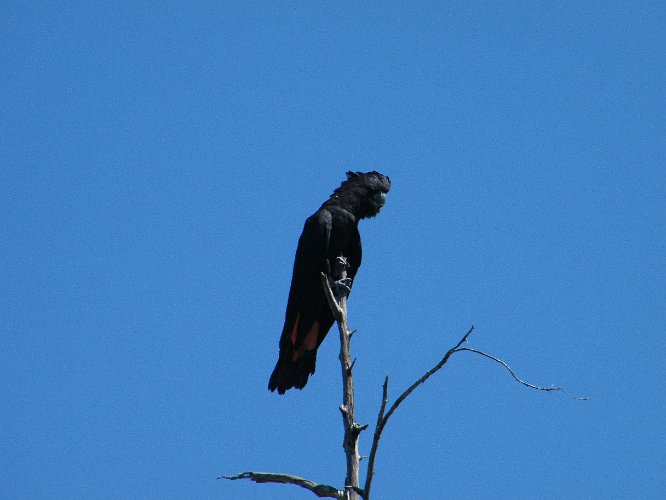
{"x": 330, "y": 232}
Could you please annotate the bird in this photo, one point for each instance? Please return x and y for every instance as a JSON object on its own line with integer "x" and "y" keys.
{"x": 331, "y": 232}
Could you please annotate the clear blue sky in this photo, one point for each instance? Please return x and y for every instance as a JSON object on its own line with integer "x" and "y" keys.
{"x": 158, "y": 161}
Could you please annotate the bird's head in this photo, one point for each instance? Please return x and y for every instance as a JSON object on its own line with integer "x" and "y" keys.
{"x": 365, "y": 192}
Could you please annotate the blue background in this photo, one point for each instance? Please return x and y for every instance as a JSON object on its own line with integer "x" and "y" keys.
{"x": 158, "y": 160}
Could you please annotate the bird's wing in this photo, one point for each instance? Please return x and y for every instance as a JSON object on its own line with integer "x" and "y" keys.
{"x": 308, "y": 315}
{"x": 306, "y": 294}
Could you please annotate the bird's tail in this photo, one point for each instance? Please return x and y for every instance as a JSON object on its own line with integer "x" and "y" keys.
{"x": 290, "y": 372}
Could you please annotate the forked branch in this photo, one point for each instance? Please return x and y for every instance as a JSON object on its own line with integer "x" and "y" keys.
{"x": 383, "y": 416}
{"x": 352, "y": 491}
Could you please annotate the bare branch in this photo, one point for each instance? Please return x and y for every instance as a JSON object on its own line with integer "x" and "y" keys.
{"x": 375, "y": 440}
{"x": 383, "y": 419}
{"x": 321, "y": 490}
{"x": 526, "y": 384}
{"x": 427, "y": 375}
{"x": 335, "y": 307}
{"x": 351, "y": 428}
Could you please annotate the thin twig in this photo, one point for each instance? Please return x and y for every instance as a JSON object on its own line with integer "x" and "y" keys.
{"x": 375, "y": 440}
{"x": 526, "y": 384}
{"x": 321, "y": 490}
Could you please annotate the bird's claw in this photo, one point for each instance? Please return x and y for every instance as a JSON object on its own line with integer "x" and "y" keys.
{"x": 343, "y": 284}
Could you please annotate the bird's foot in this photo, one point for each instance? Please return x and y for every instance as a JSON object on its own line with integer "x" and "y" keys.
{"x": 342, "y": 286}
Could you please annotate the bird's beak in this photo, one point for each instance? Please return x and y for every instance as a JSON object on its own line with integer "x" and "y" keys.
{"x": 380, "y": 199}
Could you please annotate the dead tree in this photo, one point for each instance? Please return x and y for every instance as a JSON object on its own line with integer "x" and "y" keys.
{"x": 352, "y": 489}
